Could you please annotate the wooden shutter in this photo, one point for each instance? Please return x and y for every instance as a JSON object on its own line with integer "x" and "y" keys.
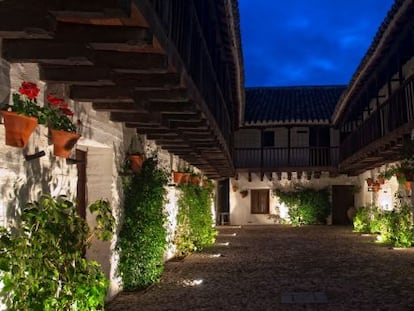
{"x": 259, "y": 201}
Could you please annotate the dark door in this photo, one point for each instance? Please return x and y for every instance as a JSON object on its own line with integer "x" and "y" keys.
{"x": 81, "y": 189}
{"x": 342, "y": 200}
{"x": 223, "y": 204}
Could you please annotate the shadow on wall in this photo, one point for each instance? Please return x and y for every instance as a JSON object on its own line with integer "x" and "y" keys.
{"x": 23, "y": 181}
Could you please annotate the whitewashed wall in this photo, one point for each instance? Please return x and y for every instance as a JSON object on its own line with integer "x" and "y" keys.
{"x": 385, "y": 198}
{"x": 240, "y": 207}
{"x": 105, "y": 143}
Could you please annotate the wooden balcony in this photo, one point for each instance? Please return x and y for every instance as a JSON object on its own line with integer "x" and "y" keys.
{"x": 379, "y": 138}
{"x": 276, "y": 159}
{"x": 165, "y": 68}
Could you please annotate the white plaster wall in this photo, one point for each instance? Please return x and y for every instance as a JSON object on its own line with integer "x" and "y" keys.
{"x": 22, "y": 181}
{"x": 385, "y": 198}
{"x": 240, "y": 207}
{"x": 106, "y": 144}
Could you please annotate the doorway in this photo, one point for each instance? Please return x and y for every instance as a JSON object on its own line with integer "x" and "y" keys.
{"x": 342, "y": 200}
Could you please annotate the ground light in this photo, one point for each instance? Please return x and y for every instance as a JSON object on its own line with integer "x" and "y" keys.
{"x": 191, "y": 283}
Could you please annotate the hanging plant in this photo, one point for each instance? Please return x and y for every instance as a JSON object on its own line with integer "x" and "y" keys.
{"x": 244, "y": 193}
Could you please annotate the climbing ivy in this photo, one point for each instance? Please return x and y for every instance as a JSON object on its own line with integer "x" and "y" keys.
{"x": 195, "y": 229}
{"x": 306, "y": 206}
{"x": 143, "y": 236}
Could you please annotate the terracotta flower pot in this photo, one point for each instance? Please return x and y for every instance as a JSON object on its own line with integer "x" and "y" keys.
{"x": 136, "y": 161}
{"x": 186, "y": 178}
{"x": 63, "y": 142}
{"x": 370, "y": 182}
{"x": 376, "y": 187}
{"x": 18, "y": 128}
{"x": 195, "y": 180}
{"x": 407, "y": 185}
{"x": 177, "y": 176}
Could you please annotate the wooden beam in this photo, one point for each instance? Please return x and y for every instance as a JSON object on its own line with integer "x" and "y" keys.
{"x": 79, "y": 75}
{"x": 119, "y": 107}
{"x": 25, "y": 23}
{"x": 151, "y": 118}
{"x": 101, "y": 33}
{"x": 144, "y": 62}
{"x": 173, "y": 95}
{"x": 45, "y": 51}
{"x": 170, "y": 106}
{"x": 101, "y": 94}
{"x": 166, "y": 80}
{"x": 249, "y": 178}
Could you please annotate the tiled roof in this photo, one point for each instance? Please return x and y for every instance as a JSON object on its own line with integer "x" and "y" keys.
{"x": 291, "y": 105}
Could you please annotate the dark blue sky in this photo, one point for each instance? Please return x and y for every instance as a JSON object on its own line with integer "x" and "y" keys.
{"x": 307, "y": 42}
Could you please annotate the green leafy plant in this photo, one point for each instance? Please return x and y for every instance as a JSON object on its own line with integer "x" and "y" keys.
{"x": 143, "y": 236}
{"x": 394, "y": 227}
{"x": 397, "y": 227}
{"x": 306, "y": 206}
{"x": 195, "y": 229}
{"x": 42, "y": 264}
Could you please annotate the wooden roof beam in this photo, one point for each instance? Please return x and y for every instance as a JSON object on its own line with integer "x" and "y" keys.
{"x": 45, "y": 51}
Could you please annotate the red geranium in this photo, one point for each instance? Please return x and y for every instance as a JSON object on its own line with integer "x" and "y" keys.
{"x": 29, "y": 89}
{"x": 58, "y": 114}
{"x": 55, "y": 101}
{"x": 25, "y": 102}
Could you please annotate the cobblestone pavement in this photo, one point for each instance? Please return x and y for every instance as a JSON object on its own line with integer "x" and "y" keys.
{"x": 283, "y": 268}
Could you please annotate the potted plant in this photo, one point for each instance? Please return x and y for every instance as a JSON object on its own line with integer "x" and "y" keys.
{"x": 182, "y": 175}
{"x": 376, "y": 186}
{"x": 135, "y": 157}
{"x": 195, "y": 179}
{"x": 63, "y": 131}
{"x": 370, "y": 181}
{"x": 21, "y": 118}
{"x": 234, "y": 187}
{"x": 244, "y": 193}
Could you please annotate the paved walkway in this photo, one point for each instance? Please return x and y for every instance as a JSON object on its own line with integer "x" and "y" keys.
{"x": 284, "y": 268}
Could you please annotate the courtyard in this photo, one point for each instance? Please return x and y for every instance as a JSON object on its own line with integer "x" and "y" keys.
{"x": 278, "y": 267}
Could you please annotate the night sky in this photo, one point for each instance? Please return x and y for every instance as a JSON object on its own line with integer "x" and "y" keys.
{"x": 307, "y": 42}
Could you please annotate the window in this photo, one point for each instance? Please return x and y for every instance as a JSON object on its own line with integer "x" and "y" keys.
{"x": 268, "y": 139}
{"x": 259, "y": 201}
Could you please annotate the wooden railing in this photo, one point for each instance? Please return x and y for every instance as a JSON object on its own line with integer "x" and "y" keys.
{"x": 396, "y": 111}
{"x": 182, "y": 26}
{"x": 273, "y": 158}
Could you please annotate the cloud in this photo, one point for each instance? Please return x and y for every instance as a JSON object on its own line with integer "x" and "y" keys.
{"x": 312, "y": 42}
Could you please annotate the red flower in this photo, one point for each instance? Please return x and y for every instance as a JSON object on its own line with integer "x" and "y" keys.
{"x": 55, "y": 101}
{"x": 29, "y": 89}
{"x": 66, "y": 111}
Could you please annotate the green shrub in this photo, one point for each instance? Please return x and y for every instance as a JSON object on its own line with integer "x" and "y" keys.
{"x": 362, "y": 220}
{"x": 306, "y": 206}
{"x": 41, "y": 261}
{"x": 398, "y": 227}
{"x": 194, "y": 219}
{"x": 143, "y": 236}
{"x": 394, "y": 227}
